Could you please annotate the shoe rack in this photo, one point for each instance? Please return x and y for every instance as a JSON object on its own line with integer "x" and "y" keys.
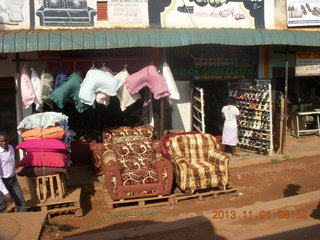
{"x": 253, "y": 98}
{"x": 198, "y": 115}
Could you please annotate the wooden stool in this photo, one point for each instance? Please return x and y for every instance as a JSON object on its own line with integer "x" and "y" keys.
{"x": 47, "y": 187}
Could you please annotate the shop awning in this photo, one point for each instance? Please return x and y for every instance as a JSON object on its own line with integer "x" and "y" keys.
{"x": 58, "y": 40}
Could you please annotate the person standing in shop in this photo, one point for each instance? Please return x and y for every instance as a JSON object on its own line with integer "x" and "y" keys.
{"x": 231, "y": 115}
{"x": 9, "y": 185}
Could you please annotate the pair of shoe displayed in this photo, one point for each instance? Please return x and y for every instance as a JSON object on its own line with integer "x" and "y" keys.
{"x": 185, "y": 9}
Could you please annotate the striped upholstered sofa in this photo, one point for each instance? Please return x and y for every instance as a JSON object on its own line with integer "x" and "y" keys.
{"x": 198, "y": 163}
{"x": 131, "y": 166}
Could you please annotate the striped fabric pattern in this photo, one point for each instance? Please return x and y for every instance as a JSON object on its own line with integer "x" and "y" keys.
{"x": 198, "y": 163}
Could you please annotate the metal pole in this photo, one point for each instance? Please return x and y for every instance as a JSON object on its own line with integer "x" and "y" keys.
{"x": 285, "y": 101}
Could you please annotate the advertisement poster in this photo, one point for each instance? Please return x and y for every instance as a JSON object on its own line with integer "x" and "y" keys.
{"x": 308, "y": 64}
{"x": 14, "y": 14}
{"x": 216, "y": 14}
{"x": 91, "y": 13}
{"x": 303, "y": 13}
{"x": 76, "y": 14}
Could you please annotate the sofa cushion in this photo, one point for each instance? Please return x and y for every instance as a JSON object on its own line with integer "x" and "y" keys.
{"x": 134, "y": 155}
{"x": 110, "y": 133}
{"x": 203, "y": 175}
{"x": 193, "y": 147}
{"x": 140, "y": 176}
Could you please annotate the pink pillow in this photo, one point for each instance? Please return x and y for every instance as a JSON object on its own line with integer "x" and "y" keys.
{"x": 148, "y": 77}
{"x": 47, "y": 159}
{"x": 45, "y": 145}
{"x": 41, "y": 171}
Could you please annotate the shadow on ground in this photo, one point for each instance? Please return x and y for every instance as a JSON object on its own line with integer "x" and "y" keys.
{"x": 291, "y": 190}
{"x": 185, "y": 229}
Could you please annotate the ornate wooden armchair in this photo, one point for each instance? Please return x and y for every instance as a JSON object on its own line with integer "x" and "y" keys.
{"x": 130, "y": 164}
{"x": 198, "y": 163}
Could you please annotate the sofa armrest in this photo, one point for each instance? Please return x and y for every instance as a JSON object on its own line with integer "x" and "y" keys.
{"x": 109, "y": 158}
{"x": 221, "y": 162}
{"x": 157, "y": 149}
{"x": 161, "y": 164}
{"x": 111, "y": 167}
{"x": 177, "y": 159}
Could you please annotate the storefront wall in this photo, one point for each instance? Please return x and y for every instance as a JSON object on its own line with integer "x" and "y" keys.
{"x": 264, "y": 14}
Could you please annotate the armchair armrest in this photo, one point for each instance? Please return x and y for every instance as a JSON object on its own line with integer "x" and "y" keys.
{"x": 221, "y": 162}
{"x": 157, "y": 149}
{"x": 109, "y": 158}
{"x": 181, "y": 169}
{"x": 177, "y": 159}
{"x": 111, "y": 167}
{"x": 164, "y": 170}
{"x": 111, "y": 171}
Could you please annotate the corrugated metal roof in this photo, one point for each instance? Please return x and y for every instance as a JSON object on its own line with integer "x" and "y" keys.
{"x": 55, "y": 40}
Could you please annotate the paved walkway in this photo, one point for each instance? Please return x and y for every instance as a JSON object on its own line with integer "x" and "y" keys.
{"x": 296, "y": 147}
{"x": 21, "y": 226}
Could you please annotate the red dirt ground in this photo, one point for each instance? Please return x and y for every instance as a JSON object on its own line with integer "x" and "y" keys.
{"x": 261, "y": 182}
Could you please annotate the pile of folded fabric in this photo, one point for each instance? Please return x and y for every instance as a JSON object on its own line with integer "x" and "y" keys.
{"x": 47, "y": 152}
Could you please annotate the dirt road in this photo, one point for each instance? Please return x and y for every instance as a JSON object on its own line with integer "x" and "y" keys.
{"x": 262, "y": 182}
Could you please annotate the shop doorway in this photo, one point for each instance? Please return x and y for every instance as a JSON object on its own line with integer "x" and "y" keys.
{"x": 215, "y": 95}
{"x": 8, "y": 120}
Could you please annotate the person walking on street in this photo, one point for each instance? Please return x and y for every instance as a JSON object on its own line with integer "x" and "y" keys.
{"x": 231, "y": 114}
{"x": 9, "y": 185}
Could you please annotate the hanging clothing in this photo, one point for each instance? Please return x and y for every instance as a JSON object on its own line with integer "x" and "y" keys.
{"x": 230, "y": 127}
{"x": 36, "y": 83}
{"x": 60, "y": 78}
{"x": 166, "y": 71}
{"x": 124, "y": 96}
{"x": 47, "y": 84}
{"x": 151, "y": 78}
{"x": 97, "y": 80}
{"x": 28, "y": 95}
{"x": 69, "y": 89}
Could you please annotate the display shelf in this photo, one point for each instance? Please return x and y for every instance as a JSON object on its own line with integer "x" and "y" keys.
{"x": 198, "y": 115}
{"x": 253, "y": 98}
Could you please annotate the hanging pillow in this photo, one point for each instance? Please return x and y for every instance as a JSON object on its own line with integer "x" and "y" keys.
{"x": 166, "y": 71}
{"x": 125, "y": 97}
{"x": 97, "y": 80}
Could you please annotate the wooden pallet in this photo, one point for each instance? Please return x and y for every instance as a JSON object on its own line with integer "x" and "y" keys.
{"x": 69, "y": 204}
{"x": 204, "y": 193}
{"x": 156, "y": 201}
{"x": 47, "y": 187}
{"x": 139, "y": 202}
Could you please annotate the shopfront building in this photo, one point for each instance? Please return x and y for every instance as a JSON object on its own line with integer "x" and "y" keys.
{"x": 209, "y": 46}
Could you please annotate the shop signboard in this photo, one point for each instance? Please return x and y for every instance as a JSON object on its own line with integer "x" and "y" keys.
{"x": 75, "y": 14}
{"x": 303, "y": 13}
{"x": 307, "y": 64}
{"x": 218, "y": 14}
